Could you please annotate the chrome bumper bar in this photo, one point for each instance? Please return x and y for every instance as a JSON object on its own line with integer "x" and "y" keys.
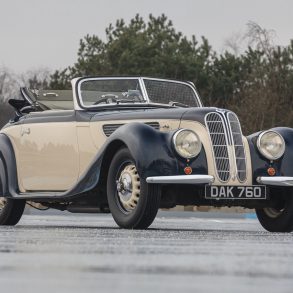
{"x": 181, "y": 179}
{"x": 277, "y": 181}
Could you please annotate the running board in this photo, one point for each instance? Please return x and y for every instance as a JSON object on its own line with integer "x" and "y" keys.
{"x": 39, "y": 195}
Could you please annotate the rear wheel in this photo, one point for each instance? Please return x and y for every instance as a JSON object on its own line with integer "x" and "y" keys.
{"x": 133, "y": 203}
{"x": 11, "y": 211}
{"x": 278, "y": 218}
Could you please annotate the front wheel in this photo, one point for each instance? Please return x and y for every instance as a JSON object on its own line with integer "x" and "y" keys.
{"x": 11, "y": 211}
{"x": 133, "y": 203}
{"x": 278, "y": 218}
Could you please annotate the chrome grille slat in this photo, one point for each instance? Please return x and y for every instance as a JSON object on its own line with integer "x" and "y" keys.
{"x": 219, "y": 140}
{"x": 110, "y": 128}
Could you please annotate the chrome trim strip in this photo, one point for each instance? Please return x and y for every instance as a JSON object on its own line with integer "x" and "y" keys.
{"x": 277, "y": 181}
{"x": 182, "y": 179}
{"x": 144, "y": 91}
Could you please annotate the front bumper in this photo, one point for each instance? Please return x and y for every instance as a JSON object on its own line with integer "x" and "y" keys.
{"x": 276, "y": 181}
{"x": 181, "y": 179}
{"x": 207, "y": 179}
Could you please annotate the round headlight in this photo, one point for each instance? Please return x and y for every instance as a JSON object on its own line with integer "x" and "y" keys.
{"x": 187, "y": 143}
{"x": 271, "y": 145}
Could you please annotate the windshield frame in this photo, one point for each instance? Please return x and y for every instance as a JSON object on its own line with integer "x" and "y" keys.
{"x": 145, "y": 96}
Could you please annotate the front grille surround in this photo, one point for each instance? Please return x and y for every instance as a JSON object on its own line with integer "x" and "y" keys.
{"x": 239, "y": 149}
{"x": 227, "y": 145}
{"x": 219, "y": 141}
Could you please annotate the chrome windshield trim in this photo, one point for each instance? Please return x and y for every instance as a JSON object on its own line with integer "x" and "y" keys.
{"x": 144, "y": 91}
{"x": 107, "y": 78}
{"x": 147, "y": 101}
{"x": 276, "y": 181}
{"x": 181, "y": 179}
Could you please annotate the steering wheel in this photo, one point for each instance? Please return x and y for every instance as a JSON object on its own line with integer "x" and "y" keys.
{"x": 107, "y": 98}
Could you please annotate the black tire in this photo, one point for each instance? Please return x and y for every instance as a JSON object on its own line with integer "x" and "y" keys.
{"x": 12, "y": 212}
{"x": 147, "y": 205}
{"x": 279, "y": 219}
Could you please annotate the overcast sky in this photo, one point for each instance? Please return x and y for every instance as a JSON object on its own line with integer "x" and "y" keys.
{"x": 46, "y": 33}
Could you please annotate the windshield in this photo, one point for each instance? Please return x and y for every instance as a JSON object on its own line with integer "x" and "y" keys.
{"x": 95, "y": 92}
{"x": 170, "y": 92}
{"x": 108, "y": 91}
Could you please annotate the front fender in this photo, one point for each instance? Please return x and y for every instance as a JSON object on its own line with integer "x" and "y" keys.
{"x": 151, "y": 149}
{"x": 283, "y": 165}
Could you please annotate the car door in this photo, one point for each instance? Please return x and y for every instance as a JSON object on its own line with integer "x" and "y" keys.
{"x": 48, "y": 157}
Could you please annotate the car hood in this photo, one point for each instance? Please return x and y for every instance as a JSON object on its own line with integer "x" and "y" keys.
{"x": 193, "y": 114}
{"x": 197, "y": 114}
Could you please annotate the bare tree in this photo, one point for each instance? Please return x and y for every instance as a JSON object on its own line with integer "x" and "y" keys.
{"x": 234, "y": 44}
{"x": 36, "y": 79}
{"x": 8, "y": 84}
{"x": 260, "y": 38}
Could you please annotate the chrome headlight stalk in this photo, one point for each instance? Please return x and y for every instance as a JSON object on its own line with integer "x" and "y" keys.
{"x": 271, "y": 145}
{"x": 187, "y": 143}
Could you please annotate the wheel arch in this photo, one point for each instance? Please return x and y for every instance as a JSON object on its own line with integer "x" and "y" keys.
{"x": 108, "y": 156}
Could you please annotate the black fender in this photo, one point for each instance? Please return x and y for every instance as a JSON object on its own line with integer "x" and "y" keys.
{"x": 283, "y": 166}
{"x": 8, "y": 172}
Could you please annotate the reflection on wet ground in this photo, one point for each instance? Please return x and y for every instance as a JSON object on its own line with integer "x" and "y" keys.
{"x": 81, "y": 253}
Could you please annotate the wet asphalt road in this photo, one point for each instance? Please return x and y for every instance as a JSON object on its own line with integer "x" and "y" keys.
{"x": 70, "y": 253}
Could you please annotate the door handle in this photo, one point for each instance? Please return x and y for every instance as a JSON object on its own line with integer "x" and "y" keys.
{"x": 25, "y": 131}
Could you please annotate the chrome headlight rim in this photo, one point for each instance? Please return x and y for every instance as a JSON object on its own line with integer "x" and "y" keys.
{"x": 175, "y": 136}
{"x": 258, "y": 143}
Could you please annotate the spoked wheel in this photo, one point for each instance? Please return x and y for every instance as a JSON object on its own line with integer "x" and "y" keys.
{"x": 11, "y": 211}
{"x": 133, "y": 203}
{"x": 2, "y": 203}
{"x": 279, "y": 218}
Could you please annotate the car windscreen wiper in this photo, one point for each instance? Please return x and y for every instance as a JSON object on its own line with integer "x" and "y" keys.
{"x": 178, "y": 104}
{"x": 124, "y": 101}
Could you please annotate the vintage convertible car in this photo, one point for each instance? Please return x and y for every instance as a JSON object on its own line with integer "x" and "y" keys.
{"x": 132, "y": 145}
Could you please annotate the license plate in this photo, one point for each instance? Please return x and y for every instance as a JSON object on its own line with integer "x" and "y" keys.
{"x": 235, "y": 192}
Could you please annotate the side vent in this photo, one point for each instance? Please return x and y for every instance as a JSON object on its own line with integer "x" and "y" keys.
{"x": 110, "y": 128}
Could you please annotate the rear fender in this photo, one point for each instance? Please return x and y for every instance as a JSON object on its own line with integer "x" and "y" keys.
{"x": 8, "y": 174}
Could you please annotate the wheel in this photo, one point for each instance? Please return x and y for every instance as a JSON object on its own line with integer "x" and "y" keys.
{"x": 133, "y": 203}
{"x": 278, "y": 218}
{"x": 11, "y": 211}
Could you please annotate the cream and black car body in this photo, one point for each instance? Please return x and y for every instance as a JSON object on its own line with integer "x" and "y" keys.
{"x": 132, "y": 145}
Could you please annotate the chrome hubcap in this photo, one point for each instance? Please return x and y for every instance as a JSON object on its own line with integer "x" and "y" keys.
{"x": 273, "y": 213}
{"x": 128, "y": 188}
{"x": 2, "y": 203}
